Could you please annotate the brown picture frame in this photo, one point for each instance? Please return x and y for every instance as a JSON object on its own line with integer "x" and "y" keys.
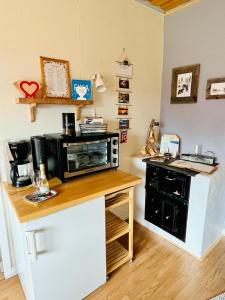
{"x": 209, "y": 95}
{"x": 64, "y": 64}
{"x": 189, "y": 89}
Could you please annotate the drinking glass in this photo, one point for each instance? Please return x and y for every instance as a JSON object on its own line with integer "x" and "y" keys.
{"x": 35, "y": 178}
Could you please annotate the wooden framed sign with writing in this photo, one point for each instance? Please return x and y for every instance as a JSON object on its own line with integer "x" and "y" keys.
{"x": 55, "y": 78}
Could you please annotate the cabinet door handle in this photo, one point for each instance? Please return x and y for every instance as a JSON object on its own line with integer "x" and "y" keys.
{"x": 167, "y": 217}
{"x": 31, "y": 245}
{"x": 177, "y": 193}
{"x": 157, "y": 211}
{"x": 170, "y": 179}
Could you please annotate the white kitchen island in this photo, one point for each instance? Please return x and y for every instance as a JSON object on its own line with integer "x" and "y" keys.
{"x": 59, "y": 246}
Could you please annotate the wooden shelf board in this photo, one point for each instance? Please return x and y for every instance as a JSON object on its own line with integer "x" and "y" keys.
{"x": 128, "y": 91}
{"x": 116, "y": 255}
{"x": 115, "y": 227}
{"x": 123, "y": 128}
{"x": 117, "y": 200}
{"x": 127, "y": 77}
{"x": 125, "y": 117}
{"x": 123, "y": 104}
{"x": 53, "y": 101}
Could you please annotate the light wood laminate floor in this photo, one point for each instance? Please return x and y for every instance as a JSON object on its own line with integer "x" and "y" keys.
{"x": 160, "y": 271}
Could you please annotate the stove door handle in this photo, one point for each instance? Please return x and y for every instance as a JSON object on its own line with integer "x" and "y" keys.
{"x": 170, "y": 179}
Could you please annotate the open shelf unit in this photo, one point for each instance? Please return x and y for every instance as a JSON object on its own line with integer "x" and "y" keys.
{"x": 116, "y": 253}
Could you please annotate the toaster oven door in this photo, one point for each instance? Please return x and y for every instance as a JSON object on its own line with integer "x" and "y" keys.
{"x": 85, "y": 157}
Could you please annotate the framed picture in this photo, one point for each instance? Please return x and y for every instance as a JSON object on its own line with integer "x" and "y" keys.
{"x": 122, "y": 110}
{"x": 123, "y": 98}
{"x": 55, "y": 78}
{"x": 124, "y": 123}
{"x": 215, "y": 88}
{"x": 185, "y": 84}
{"x": 81, "y": 89}
{"x": 124, "y": 84}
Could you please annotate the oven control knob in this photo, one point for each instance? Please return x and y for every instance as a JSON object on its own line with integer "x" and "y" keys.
{"x": 115, "y": 142}
{"x": 114, "y": 151}
{"x": 114, "y": 160}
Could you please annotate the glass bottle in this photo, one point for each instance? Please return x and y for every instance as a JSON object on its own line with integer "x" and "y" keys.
{"x": 43, "y": 184}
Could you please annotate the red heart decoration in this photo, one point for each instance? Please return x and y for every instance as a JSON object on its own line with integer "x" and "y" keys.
{"x": 23, "y": 85}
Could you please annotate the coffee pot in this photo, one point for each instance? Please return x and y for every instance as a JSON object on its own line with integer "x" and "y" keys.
{"x": 20, "y": 163}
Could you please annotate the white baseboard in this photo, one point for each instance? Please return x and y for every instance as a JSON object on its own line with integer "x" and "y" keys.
{"x": 212, "y": 246}
{"x": 1, "y": 267}
{"x": 10, "y": 274}
{"x": 178, "y": 243}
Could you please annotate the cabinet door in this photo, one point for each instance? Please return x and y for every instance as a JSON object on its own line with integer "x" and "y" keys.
{"x": 174, "y": 217}
{"x": 153, "y": 207}
{"x": 169, "y": 215}
{"x": 181, "y": 220}
{"x": 151, "y": 177}
{"x": 66, "y": 252}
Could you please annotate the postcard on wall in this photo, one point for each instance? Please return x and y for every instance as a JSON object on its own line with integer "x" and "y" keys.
{"x": 124, "y": 84}
{"x": 124, "y": 70}
{"x": 124, "y": 123}
{"x": 123, "y": 136}
{"x": 123, "y": 97}
{"x": 81, "y": 89}
{"x": 55, "y": 77}
{"x": 122, "y": 110}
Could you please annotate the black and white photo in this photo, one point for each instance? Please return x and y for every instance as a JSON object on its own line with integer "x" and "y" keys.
{"x": 124, "y": 84}
{"x": 123, "y": 98}
{"x": 184, "y": 85}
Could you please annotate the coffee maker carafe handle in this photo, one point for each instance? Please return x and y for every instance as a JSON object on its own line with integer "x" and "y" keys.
{"x": 14, "y": 172}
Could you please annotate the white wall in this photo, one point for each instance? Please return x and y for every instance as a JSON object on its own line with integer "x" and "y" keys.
{"x": 91, "y": 35}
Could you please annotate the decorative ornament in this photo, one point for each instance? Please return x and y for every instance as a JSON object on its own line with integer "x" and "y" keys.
{"x": 81, "y": 89}
{"x": 150, "y": 147}
{"x": 29, "y": 88}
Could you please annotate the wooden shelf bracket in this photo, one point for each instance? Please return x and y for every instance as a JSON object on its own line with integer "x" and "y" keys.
{"x": 32, "y": 108}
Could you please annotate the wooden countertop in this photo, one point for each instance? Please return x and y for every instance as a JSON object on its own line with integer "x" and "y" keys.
{"x": 71, "y": 193}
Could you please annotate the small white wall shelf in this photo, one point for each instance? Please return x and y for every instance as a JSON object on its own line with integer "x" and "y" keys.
{"x": 33, "y": 102}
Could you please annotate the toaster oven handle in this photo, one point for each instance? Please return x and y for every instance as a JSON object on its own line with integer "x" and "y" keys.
{"x": 65, "y": 145}
{"x": 170, "y": 179}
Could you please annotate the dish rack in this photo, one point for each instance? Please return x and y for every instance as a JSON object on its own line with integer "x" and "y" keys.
{"x": 93, "y": 128}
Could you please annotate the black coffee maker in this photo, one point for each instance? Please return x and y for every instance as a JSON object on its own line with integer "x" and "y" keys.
{"x": 20, "y": 165}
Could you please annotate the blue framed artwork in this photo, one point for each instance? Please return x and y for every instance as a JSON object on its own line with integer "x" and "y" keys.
{"x": 81, "y": 89}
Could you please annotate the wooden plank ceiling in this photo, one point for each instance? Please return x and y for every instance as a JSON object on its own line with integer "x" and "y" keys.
{"x": 167, "y": 5}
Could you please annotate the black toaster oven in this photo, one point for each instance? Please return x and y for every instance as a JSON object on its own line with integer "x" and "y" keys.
{"x": 70, "y": 156}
